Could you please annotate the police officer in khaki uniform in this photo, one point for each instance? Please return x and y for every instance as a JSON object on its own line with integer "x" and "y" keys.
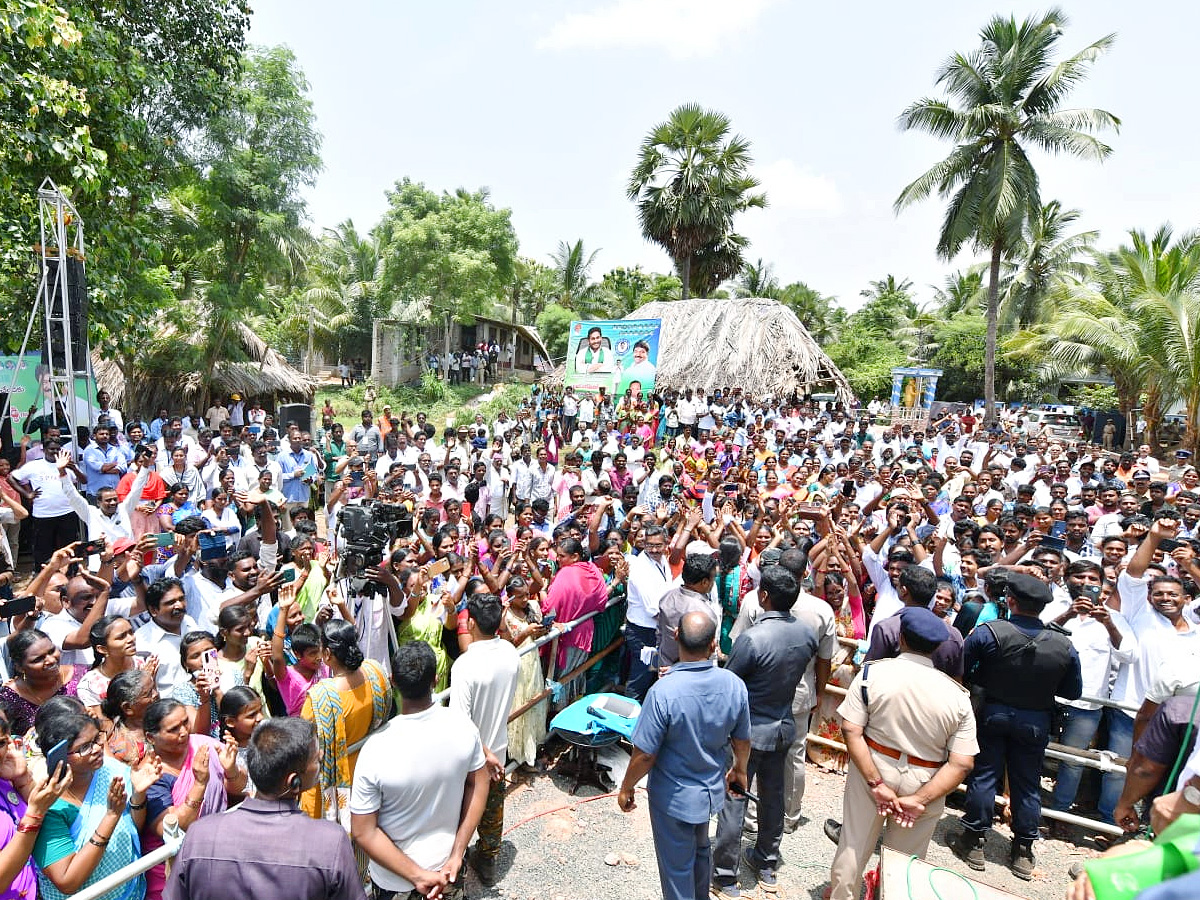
{"x": 910, "y": 733}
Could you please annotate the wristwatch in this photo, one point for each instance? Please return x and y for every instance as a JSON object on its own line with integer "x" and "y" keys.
{"x": 1191, "y": 794}
{"x": 874, "y": 783}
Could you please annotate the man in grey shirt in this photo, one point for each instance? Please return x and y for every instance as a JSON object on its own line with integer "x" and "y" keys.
{"x": 691, "y": 596}
{"x": 267, "y": 847}
{"x": 771, "y": 658}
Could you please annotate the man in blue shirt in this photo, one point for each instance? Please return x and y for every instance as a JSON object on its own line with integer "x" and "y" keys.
{"x": 298, "y": 467}
{"x": 688, "y": 719}
{"x": 103, "y": 463}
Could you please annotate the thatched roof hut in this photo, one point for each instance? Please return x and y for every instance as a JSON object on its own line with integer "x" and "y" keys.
{"x": 756, "y": 344}
{"x": 265, "y": 374}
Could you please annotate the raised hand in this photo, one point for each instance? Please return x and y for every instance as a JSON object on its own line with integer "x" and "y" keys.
{"x": 117, "y": 797}
{"x": 146, "y": 772}
{"x": 45, "y": 792}
{"x": 228, "y": 755}
{"x": 200, "y": 765}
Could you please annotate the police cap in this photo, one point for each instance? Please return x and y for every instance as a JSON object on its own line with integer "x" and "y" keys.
{"x": 1028, "y": 591}
{"x": 920, "y": 622}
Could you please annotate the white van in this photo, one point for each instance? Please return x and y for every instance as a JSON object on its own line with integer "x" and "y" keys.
{"x": 1059, "y": 425}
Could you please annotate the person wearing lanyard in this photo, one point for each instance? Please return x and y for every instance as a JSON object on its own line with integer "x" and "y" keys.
{"x": 649, "y": 579}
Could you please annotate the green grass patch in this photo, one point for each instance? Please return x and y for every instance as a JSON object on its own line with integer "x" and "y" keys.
{"x": 443, "y": 403}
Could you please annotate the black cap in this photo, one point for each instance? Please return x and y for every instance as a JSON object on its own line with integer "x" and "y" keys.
{"x": 1027, "y": 590}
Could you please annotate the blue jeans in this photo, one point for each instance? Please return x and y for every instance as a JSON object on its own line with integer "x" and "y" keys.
{"x": 1011, "y": 741}
{"x": 640, "y": 676}
{"x": 1079, "y": 729}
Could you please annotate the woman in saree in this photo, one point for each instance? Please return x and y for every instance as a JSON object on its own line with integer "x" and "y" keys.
{"x": 354, "y": 701}
{"x": 425, "y": 618}
{"x": 198, "y": 776}
{"x": 91, "y": 831}
{"x": 312, "y": 576}
{"x": 522, "y": 626}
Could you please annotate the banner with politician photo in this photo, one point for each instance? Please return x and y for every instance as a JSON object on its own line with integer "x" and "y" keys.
{"x": 614, "y": 354}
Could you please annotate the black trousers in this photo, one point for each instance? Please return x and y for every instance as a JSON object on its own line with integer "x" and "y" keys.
{"x": 53, "y": 533}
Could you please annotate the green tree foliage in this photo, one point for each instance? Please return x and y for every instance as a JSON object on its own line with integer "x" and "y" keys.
{"x": 821, "y": 315}
{"x": 553, "y": 325}
{"x": 889, "y": 306}
{"x": 1138, "y": 316}
{"x": 689, "y": 183}
{"x": 102, "y": 98}
{"x": 1003, "y": 98}
{"x": 757, "y": 279}
{"x": 532, "y": 288}
{"x": 963, "y": 292}
{"x": 866, "y": 358}
{"x": 343, "y": 296}
{"x": 958, "y": 351}
{"x": 1044, "y": 252}
{"x": 573, "y": 283}
{"x": 256, "y": 156}
{"x": 454, "y": 252}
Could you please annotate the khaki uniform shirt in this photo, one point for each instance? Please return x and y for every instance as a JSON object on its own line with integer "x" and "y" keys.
{"x": 913, "y": 708}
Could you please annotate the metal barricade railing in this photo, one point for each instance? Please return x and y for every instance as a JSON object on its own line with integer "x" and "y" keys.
{"x": 551, "y": 637}
{"x": 173, "y": 841}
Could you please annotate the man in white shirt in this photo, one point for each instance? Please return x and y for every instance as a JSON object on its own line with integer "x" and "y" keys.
{"x": 420, "y": 787}
{"x": 55, "y": 523}
{"x": 884, "y": 568}
{"x": 85, "y": 601}
{"x": 498, "y": 480}
{"x": 649, "y": 578}
{"x": 109, "y": 519}
{"x": 161, "y": 636}
{"x": 483, "y": 682}
{"x": 687, "y": 411}
{"x": 1103, "y": 640}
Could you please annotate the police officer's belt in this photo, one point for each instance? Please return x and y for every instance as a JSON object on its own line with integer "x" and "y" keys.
{"x": 896, "y": 754}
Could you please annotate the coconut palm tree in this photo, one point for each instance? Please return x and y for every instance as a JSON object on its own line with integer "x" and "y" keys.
{"x": 344, "y": 297}
{"x": 572, "y": 273}
{"x": 1044, "y": 252}
{"x": 1003, "y": 99}
{"x": 757, "y": 279}
{"x": 690, "y": 181}
{"x": 1137, "y": 316}
{"x": 963, "y": 291}
{"x": 821, "y": 315}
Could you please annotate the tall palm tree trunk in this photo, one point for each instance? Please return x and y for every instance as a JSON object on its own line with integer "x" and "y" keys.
{"x": 993, "y": 320}
{"x": 685, "y": 275}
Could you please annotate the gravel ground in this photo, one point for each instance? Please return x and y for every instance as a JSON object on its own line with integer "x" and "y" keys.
{"x": 555, "y": 846}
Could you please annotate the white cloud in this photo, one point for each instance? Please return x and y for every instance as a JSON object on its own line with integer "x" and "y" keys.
{"x": 683, "y": 28}
{"x": 797, "y": 189}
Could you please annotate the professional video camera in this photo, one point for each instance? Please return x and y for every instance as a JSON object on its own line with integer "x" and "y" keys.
{"x": 368, "y": 530}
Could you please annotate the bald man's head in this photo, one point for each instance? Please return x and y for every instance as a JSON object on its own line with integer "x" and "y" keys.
{"x": 697, "y": 632}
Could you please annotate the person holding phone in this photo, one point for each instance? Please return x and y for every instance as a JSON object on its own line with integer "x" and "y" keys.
{"x": 1104, "y": 640}
{"x": 91, "y": 830}
{"x": 24, "y": 802}
{"x": 203, "y": 682}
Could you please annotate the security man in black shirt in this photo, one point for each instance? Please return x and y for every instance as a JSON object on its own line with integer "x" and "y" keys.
{"x": 1021, "y": 665}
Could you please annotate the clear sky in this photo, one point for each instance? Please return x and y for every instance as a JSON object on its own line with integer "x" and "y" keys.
{"x": 546, "y": 103}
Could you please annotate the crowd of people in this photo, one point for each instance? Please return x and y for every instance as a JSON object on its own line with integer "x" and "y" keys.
{"x": 214, "y": 620}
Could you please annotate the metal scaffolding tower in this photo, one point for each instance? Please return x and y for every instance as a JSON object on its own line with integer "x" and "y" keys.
{"x": 62, "y": 303}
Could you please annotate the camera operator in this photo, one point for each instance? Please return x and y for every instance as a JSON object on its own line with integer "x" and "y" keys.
{"x": 365, "y": 533}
